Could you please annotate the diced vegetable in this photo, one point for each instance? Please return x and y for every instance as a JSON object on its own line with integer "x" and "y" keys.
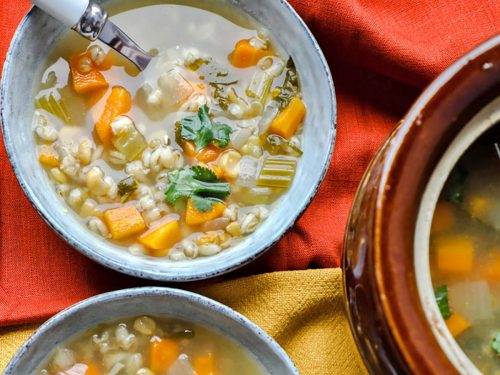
{"x": 249, "y": 171}
{"x": 442, "y": 301}
{"x": 455, "y": 185}
{"x": 205, "y": 365}
{"x": 162, "y": 354}
{"x": 267, "y": 118}
{"x": 203, "y": 131}
{"x": 163, "y": 237}
{"x": 118, "y": 103}
{"x": 473, "y": 299}
{"x": 245, "y": 55}
{"x": 88, "y": 80}
{"x": 176, "y": 89}
{"x": 478, "y": 206}
{"x": 124, "y": 222}
{"x": 92, "y": 369}
{"x": 277, "y": 171}
{"x": 457, "y": 324}
{"x": 208, "y": 154}
{"x": 278, "y": 145}
{"x": 455, "y": 254}
{"x": 290, "y": 88}
{"x": 288, "y": 121}
{"x": 199, "y": 184}
{"x": 259, "y": 85}
{"x": 197, "y": 217}
{"x": 495, "y": 344}
{"x": 53, "y": 105}
{"x": 48, "y": 156}
{"x": 127, "y": 187}
{"x": 444, "y": 217}
{"x": 181, "y": 366}
{"x": 491, "y": 268}
{"x": 130, "y": 142}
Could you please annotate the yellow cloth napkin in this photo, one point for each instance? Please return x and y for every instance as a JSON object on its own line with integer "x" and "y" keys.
{"x": 302, "y": 310}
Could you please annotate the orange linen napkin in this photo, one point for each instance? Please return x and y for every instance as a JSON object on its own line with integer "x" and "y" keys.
{"x": 382, "y": 53}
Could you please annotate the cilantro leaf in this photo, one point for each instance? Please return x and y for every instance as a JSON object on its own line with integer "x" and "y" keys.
{"x": 442, "y": 301}
{"x": 203, "y": 131}
{"x": 203, "y": 204}
{"x": 204, "y": 174}
{"x": 495, "y": 344}
{"x": 198, "y": 184}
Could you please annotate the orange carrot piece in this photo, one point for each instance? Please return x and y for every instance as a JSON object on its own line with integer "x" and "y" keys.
{"x": 444, "y": 217}
{"x": 288, "y": 121}
{"x": 491, "y": 266}
{"x": 195, "y": 217}
{"x": 190, "y": 149}
{"x": 208, "y": 154}
{"x": 48, "y": 156}
{"x": 162, "y": 237}
{"x": 457, "y": 324}
{"x": 162, "y": 354}
{"x": 455, "y": 254}
{"x": 92, "y": 369}
{"x": 84, "y": 83}
{"x": 118, "y": 103}
{"x": 245, "y": 55}
{"x": 124, "y": 222}
{"x": 205, "y": 365}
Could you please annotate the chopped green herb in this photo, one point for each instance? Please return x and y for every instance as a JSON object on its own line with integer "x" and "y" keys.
{"x": 455, "y": 186}
{"x": 278, "y": 145}
{"x": 127, "y": 187}
{"x": 199, "y": 184}
{"x": 290, "y": 87}
{"x": 442, "y": 301}
{"x": 495, "y": 344}
{"x": 182, "y": 334}
{"x": 220, "y": 93}
{"x": 203, "y": 131}
{"x": 196, "y": 64}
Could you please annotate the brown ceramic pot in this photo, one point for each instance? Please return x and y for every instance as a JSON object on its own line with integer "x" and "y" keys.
{"x": 392, "y": 329}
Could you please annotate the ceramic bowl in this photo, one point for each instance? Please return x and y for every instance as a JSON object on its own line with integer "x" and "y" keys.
{"x": 391, "y": 303}
{"x": 25, "y": 59}
{"x": 152, "y": 301}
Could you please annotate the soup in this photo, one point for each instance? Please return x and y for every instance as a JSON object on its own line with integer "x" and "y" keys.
{"x": 181, "y": 160}
{"x": 465, "y": 252}
{"x": 148, "y": 346}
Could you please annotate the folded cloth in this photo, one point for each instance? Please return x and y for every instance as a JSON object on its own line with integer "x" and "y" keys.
{"x": 302, "y": 310}
{"x": 381, "y": 54}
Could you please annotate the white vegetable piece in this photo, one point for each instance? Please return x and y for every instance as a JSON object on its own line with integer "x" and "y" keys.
{"x": 181, "y": 366}
{"x": 472, "y": 300}
{"x": 249, "y": 170}
{"x": 63, "y": 359}
{"x": 176, "y": 89}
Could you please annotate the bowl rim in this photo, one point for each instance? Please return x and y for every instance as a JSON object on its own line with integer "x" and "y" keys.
{"x": 163, "y": 274}
{"x": 131, "y": 293}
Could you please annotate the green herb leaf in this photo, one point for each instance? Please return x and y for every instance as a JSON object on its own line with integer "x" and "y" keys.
{"x": 455, "y": 185}
{"x": 197, "y": 183}
{"x": 204, "y": 174}
{"x": 290, "y": 88}
{"x": 495, "y": 344}
{"x": 203, "y": 131}
{"x": 442, "y": 301}
{"x": 127, "y": 187}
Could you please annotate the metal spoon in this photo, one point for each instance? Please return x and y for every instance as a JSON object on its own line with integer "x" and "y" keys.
{"x": 89, "y": 20}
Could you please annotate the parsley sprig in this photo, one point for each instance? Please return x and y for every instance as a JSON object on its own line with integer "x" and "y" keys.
{"x": 199, "y": 184}
{"x": 442, "y": 301}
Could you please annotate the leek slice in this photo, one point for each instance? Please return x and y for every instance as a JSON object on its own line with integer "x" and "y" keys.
{"x": 260, "y": 85}
{"x": 130, "y": 143}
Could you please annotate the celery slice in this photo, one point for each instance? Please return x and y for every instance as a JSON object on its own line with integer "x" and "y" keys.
{"x": 260, "y": 85}
{"x": 131, "y": 143}
{"x": 57, "y": 107}
{"x": 277, "y": 171}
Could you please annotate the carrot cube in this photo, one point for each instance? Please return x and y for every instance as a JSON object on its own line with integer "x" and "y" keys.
{"x": 92, "y": 80}
{"x": 444, "y": 217}
{"x": 118, "y": 103}
{"x": 288, "y": 121}
{"x": 162, "y": 354}
{"x": 195, "y": 217}
{"x": 455, "y": 254}
{"x": 124, "y": 222}
{"x": 204, "y": 365}
{"x": 162, "y": 237}
{"x": 245, "y": 55}
{"x": 457, "y": 324}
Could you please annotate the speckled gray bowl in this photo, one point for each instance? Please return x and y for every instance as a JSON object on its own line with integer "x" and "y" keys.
{"x": 26, "y": 56}
{"x": 152, "y": 301}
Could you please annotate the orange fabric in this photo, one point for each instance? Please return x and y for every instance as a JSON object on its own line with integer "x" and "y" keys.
{"x": 382, "y": 53}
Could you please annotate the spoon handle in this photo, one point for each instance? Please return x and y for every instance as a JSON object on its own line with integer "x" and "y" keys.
{"x": 68, "y": 12}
